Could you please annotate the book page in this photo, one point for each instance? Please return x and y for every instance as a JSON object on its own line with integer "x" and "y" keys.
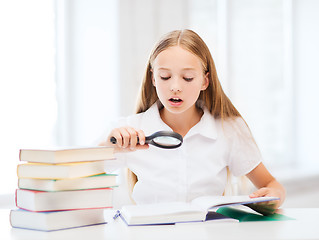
{"x": 158, "y": 209}
{"x": 207, "y": 202}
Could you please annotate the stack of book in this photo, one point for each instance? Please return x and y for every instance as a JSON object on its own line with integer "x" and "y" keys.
{"x": 63, "y": 188}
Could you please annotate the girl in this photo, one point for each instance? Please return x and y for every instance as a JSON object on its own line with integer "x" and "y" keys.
{"x": 181, "y": 93}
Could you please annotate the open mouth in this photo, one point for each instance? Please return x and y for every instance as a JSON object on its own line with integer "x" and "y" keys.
{"x": 175, "y": 100}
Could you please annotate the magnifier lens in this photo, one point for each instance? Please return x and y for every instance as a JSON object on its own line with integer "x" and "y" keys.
{"x": 167, "y": 141}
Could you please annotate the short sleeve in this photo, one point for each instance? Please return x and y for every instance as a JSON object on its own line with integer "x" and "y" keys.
{"x": 244, "y": 153}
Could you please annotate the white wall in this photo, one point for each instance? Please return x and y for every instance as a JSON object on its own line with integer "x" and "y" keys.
{"x": 141, "y": 24}
{"x": 265, "y": 52}
{"x": 103, "y": 46}
{"x": 87, "y": 69}
{"x": 306, "y": 63}
{"x": 27, "y": 89}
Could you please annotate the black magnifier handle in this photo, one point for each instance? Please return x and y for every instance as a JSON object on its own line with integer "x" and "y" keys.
{"x": 171, "y": 139}
{"x": 147, "y": 140}
{"x": 113, "y": 140}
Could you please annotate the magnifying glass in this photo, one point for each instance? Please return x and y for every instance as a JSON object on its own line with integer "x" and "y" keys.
{"x": 161, "y": 139}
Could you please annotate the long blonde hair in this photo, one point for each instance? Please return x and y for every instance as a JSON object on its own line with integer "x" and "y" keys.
{"x": 213, "y": 97}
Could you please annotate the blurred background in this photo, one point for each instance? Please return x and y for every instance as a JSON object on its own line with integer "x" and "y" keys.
{"x": 68, "y": 68}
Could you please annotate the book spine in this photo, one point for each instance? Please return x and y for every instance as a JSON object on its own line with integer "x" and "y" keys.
{"x": 61, "y": 207}
{"x": 15, "y": 197}
{"x": 10, "y": 218}
{"x": 68, "y": 209}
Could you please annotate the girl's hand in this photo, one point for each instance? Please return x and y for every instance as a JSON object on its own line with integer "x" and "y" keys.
{"x": 268, "y": 186}
{"x": 126, "y": 139}
{"x": 265, "y": 208}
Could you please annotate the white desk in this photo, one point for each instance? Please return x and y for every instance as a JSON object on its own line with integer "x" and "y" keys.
{"x": 306, "y": 226}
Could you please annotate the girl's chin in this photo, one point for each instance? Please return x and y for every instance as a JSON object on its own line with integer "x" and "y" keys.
{"x": 176, "y": 109}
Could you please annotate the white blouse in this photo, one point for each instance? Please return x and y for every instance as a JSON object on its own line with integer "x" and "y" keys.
{"x": 196, "y": 168}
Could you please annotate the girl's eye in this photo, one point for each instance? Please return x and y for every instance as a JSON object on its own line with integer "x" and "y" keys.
{"x": 165, "y": 78}
{"x": 188, "y": 79}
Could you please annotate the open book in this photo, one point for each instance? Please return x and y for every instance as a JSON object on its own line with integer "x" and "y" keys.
{"x": 175, "y": 212}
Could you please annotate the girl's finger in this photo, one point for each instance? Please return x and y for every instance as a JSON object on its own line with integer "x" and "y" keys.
{"x": 140, "y": 147}
{"x": 126, "y": 137}
{"x": 141, "y": 137}
{"x": 117, "y": 135}
{"x": 133, "y": 137}
{"x": 259, "y": 193}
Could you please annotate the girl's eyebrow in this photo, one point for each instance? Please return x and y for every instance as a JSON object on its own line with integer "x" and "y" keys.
{"x": 167, "y": 69}
{"x": 189, "y": 68}
{"x": 162, "y": 68}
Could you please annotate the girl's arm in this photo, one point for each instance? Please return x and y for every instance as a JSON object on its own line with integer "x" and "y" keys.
{"x": 267, "y": 185}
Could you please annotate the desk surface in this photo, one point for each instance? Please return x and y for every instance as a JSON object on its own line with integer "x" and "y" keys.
{"x": 306, "y": 226}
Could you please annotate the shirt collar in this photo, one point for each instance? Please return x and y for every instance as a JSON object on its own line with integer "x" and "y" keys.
{"x": 205, "y": 127}
{"x": 152, "y": 122}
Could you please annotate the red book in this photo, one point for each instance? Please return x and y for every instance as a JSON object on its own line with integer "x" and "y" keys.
{"x": 40, "y": 201}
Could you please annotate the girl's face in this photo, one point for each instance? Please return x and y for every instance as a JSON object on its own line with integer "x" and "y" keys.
{"x": 179, "y": 78}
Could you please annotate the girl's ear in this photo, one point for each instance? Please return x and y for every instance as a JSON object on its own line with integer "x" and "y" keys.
{"x": 205, "y": 82}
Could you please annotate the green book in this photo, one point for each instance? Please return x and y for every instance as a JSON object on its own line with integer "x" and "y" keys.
{"x": 52, "y": 185}
{"x": 244, "y": 216}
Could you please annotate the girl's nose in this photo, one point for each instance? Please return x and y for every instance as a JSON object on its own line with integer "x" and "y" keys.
{"x": 175, "y": 85}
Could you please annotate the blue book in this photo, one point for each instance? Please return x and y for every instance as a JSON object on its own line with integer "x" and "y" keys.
{"x": 57, "y": 220}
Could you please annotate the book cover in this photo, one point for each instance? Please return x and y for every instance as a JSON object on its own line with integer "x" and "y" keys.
{"x": 60, "y": 171}
{"x": 248, "y": 215}
{"x": 58, "y": 220}
{"x": 39, "y": 201}
{"x": 65, "y": 155}
{"x": 52, "y": 185}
